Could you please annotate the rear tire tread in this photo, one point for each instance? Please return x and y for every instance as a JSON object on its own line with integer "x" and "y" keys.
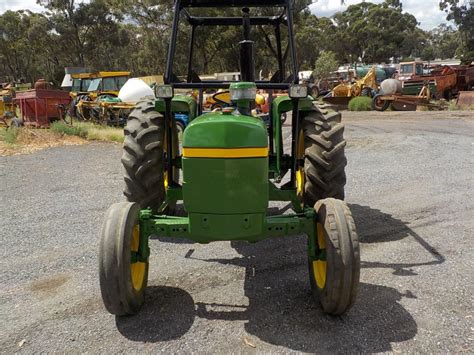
{"x": 325, "y": 160}
{"x": 142, "y": 156}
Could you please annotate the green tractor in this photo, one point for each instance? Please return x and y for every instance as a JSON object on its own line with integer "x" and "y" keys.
{"x": 232, "y": 164}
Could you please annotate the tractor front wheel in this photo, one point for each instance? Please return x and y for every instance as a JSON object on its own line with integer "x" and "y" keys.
{"x": 123, "y": 276}
{"x": 334, "y": 266}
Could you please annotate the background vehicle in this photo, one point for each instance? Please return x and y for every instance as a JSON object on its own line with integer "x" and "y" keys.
{"x": 408, "y": 70}
{"x": 442, "y": 79}
{"x": 80, "y": 84}
{"x": 99, "y": 87}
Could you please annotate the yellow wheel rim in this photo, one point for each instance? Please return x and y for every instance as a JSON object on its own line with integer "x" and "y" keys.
{"x": 319, "y": 266}
{"x": 300, "y": 179}
{"x": 165, "y": 180}
{"x": 137, "y": 269}
{"x": 165, "y": 173}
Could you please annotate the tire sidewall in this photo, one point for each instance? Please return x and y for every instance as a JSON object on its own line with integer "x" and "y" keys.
{"x": 342, "y": 257}
{"x": 118, "y": 294}
{"x": 377, "y": 107}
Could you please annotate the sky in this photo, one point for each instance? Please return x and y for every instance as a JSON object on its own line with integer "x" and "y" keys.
{"x": 427, "y": 12}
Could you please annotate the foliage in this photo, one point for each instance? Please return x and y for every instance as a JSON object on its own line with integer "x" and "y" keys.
{"x": 428, "y": 53}
{"x": 9, "y": 135}
{"x": 74, "y": 130}
{"x": 360, "y": 103}
{"x": 23, "y": 37}
{"x": 89, "y": 131}
{"x": 313, "y": 35}
{"x": 373, "y": 33}
{"x": 326, "y": 63}
{"x": 453, "y": 106}
{"x": 445, "y": 41}
{"x": 134, "y": 35}
{"x": 463, "y": 16}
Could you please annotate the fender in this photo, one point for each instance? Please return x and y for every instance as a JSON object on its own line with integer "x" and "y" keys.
{"x": 279, "y": 106}
{"x": 179, "y": 103}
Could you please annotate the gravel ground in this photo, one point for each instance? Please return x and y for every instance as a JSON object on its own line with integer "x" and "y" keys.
{"x": 410, "y": 188}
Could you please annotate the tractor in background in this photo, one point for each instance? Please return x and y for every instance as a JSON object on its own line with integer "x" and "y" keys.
{"x": 232, "y": 166}
{"x": 345, "y": 91}
{"x": 90, "y": 89}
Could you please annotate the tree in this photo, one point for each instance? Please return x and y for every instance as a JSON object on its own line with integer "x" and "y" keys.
{"x": 445, "y": 41}
{"x": 414, "y": 44}
{"x": 373, "y": 32}
{"x": 87, "y": 30}
{"x": 428, "y": 53}
{"x": 134, "y": 35}
{"x": 24, "y": 43}
{"x": 463, "y": 16}
{"x": 326, "y": 63}
{"x": 312, "y": 36}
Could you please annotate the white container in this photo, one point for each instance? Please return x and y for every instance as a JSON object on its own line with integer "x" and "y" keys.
{"x": 391, "y": 86}
{"x": 135, "y": 90}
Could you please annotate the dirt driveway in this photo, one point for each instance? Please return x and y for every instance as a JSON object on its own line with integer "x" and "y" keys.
{"x": 410, "y": 187}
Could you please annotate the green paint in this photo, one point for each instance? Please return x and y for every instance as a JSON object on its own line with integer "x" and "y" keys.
{"x": 243, "y": 85}
{"x": 205, "y": 228}
{"x": 225, "y": 186}
{"x": 215, "y": 227}
{"x": 179, "y": 104}
{"x": 281, "y": 105}
{"x": 276, "y": 194}
{"x": 414, "y": 88}
{"x": 143, "y": 252}
{"x": 227, "y": 198}
{"x": 218, "y": 130}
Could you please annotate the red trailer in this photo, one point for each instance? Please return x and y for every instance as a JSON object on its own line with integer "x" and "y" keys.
{"x": 39, "y": 107}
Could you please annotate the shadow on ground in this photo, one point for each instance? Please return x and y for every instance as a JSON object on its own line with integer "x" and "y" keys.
{"x": 168, "y": 313}
{"x": 281, "y": 310}
{"x": 375, "y": 226}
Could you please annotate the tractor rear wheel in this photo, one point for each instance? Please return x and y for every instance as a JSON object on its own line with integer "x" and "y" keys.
{"x": 325, "y": 160}
{"x": 123, "y": 280}
{"x": 143, "y": 157}
{"x": 334, "y": 270}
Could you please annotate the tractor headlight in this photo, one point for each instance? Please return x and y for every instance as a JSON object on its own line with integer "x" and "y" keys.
{"x": 298, "y": 91}
{"x": 164, "y": 91}
{"x": 243, "y": 91}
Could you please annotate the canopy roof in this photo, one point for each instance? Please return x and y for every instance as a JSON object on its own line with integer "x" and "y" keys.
{"x": 233, "y": 3}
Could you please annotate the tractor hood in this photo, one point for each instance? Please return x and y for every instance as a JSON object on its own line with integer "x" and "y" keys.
{"x": 225, "y": 175}
{"x": 226, "y": 131}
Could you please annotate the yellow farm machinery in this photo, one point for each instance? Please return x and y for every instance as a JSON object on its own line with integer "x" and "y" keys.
{"x": 345, "y": 91}
{"x": 95, "y": 97}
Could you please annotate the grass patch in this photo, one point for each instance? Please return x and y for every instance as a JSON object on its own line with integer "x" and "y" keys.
{"x": 89, "y": 131}
{"x": 105, "y": 134}
{"x": 453, "y": 106}
{"x": 26, "y": 140}
{"x": 422, "y": 108}
{"x": 360, "y": 103}
{"x": 9, "y": 136}
{"x": 75, "y": 130}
